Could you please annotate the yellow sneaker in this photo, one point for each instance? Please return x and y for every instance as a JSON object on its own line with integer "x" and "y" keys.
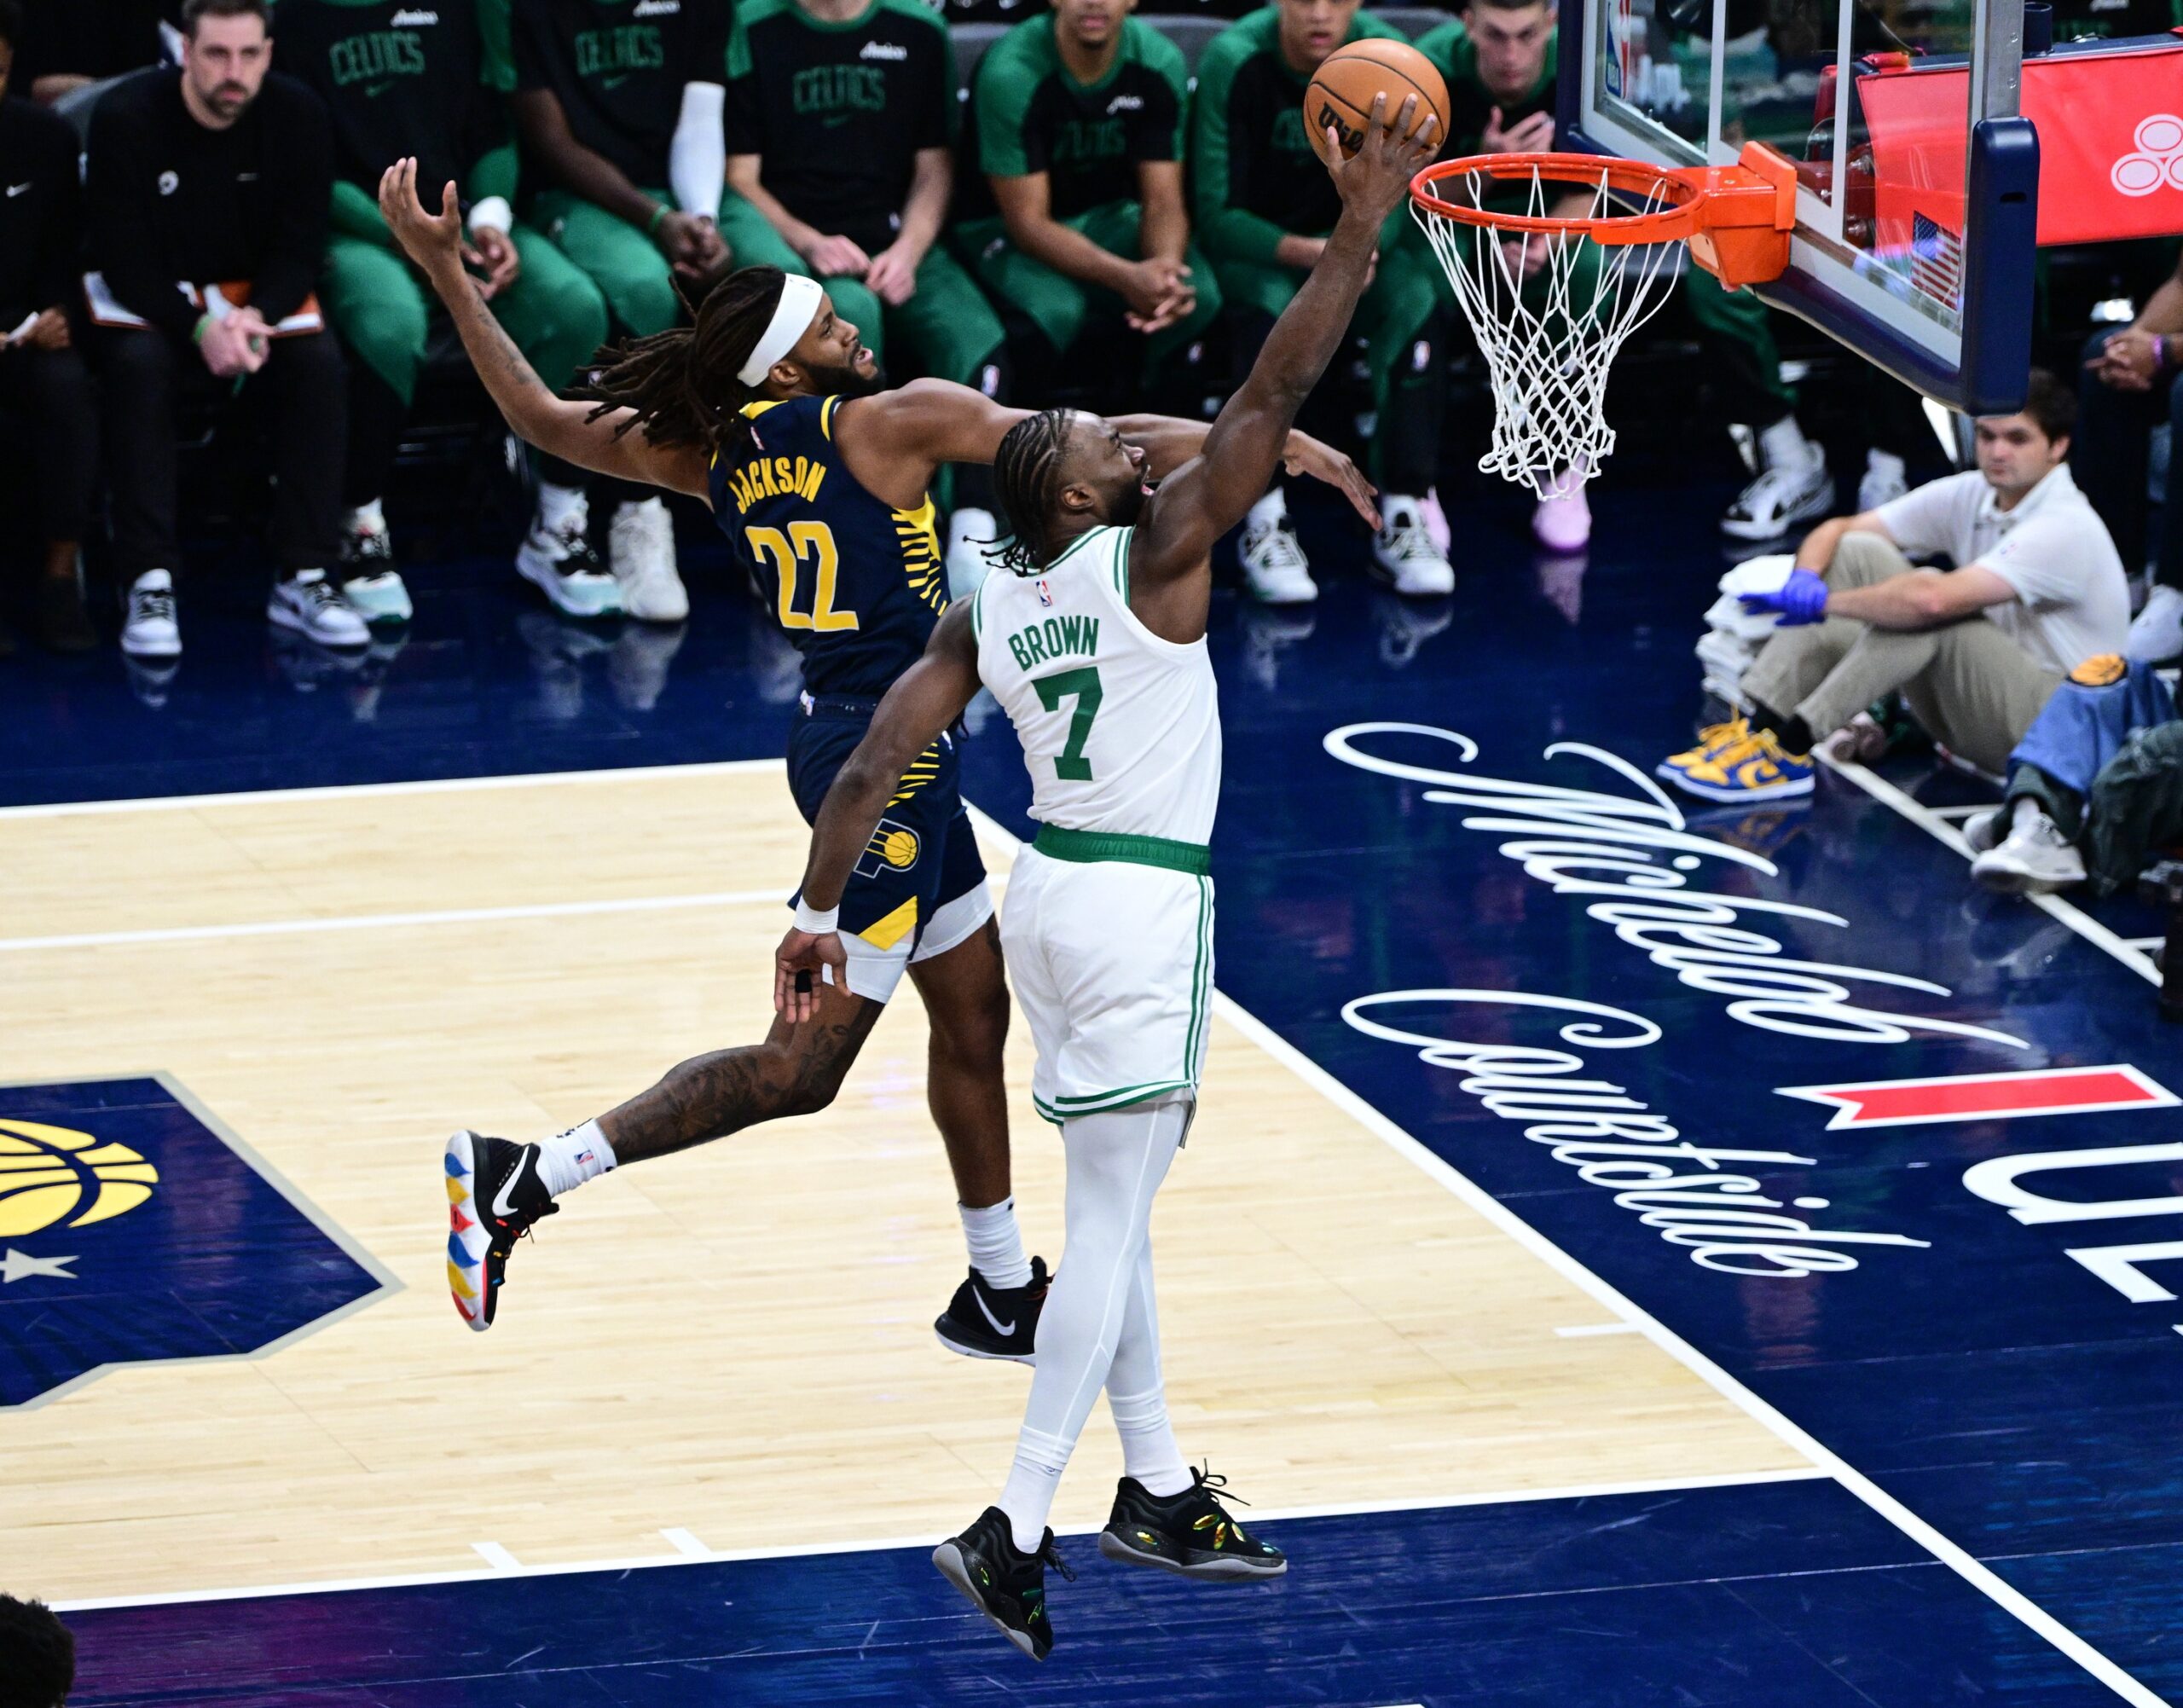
{"x": 1712, "y": 740}
{"x": 1755, "y": 768}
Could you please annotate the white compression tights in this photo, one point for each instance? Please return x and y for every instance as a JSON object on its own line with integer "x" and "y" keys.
{"x": 1099, "y": 1328}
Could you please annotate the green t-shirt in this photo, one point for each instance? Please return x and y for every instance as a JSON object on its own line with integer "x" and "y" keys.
{"x": 1470, "y": 103}
{"x": 1029, "y": 115}
{"x": 618, "y": 68}
{"x": 400, "y": 78}
{"x": 1254, "y": 178}
{"x": 838, "y": 111}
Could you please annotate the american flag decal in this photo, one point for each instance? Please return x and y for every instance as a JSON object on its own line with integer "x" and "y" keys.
{"x": 1937, "y": 261}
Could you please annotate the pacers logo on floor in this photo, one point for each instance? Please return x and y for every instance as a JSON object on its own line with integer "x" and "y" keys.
{"x": 50, "y": 1175}
{"x": 138, "y": 1231}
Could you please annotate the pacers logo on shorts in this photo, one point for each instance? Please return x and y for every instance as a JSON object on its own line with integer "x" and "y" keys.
{"x": 135, "y": 1230}
{"x": 893, "y": 848}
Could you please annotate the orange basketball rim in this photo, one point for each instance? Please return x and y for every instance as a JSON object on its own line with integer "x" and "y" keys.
{"x": 1736, "y": 219}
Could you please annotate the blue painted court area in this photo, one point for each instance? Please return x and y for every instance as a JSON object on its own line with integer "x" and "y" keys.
{"x": 1998, "y": 1351}
{"x": 132, "y": 1230}
{"x": 1730, "y": 1598}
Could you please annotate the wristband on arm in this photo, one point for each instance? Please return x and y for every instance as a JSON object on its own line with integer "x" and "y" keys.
{"x": 818, "y": 924}
{"x": 651, "y": 225}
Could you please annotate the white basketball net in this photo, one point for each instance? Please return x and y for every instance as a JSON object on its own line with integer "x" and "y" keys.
{"x": 1547, "y": 358}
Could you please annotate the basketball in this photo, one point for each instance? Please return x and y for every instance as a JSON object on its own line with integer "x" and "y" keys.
{"x": 1342, "y": 89}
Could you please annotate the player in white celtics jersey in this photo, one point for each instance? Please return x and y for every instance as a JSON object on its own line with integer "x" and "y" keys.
{"x": 1095, "y": 647}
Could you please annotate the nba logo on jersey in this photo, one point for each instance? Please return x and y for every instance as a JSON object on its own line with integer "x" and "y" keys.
{"x": 1045, "y": 594}
{"x": 132, "y": 1229}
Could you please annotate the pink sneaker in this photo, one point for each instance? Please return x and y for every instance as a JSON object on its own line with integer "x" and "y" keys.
{"x": 1563, "y": 520}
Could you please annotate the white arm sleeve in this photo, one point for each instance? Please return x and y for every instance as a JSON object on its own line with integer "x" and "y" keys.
{"x": 697, "y": 162}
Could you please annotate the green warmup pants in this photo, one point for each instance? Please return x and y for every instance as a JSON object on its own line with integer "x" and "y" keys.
{"x": 948, "y": 326}
{"x": 1059, "y": 306}
{"x": 1397, "y": 320}
{"x": 1736, "y": 331}
{"x": 380, "y": 308}
{"x": 624, "y": 264}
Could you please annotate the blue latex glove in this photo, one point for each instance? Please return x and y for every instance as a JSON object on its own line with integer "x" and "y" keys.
{"x": 1801, "y": 598}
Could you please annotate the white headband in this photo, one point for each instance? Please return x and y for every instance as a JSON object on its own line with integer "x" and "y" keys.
{"x": 799, "y": 305}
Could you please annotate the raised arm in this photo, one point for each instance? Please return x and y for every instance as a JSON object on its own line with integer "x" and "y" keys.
{"x": 893, "y": 441}
{"x": 557, "y": 426}
{"x": 1206, "y": 498}
{"x": 925, "y": 700}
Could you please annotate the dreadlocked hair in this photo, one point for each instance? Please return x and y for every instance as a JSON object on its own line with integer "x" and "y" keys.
{"x": 1026, "y": 480}
{"x": 681, "y": 384}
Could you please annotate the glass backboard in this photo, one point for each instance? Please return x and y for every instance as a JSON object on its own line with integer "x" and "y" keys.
{"x": 1917, "y": 178}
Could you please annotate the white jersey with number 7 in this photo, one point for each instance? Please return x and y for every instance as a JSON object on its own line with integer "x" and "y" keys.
{"x": 1120, "y": 729}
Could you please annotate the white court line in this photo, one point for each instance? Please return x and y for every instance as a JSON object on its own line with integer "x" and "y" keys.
{"x": 1582, "y": 1330}
{"x": 690, "y": 1551}
{"x": 1927, "y": 819}
{"x": 430, "y": 785}
{"x": 368, "y": 922}
{"x": 1958, "y": 1559}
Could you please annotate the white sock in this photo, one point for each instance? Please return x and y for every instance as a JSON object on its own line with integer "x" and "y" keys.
{"x": 628, "y": 506}
{"x": 1137, "y": 1398}
{"x": 1886, "y": 465}
{"x": 365, "y": 518}
{"x": 557, "y": 504}
{"x": 1269, "y": 510}
{"x": 1784, "y": 444}
{"x": 569, "y": 1159}
{"x": 996, "y": 1246}
{"x": 2024, "y": 814}
{"x": 1116, "y": 1162}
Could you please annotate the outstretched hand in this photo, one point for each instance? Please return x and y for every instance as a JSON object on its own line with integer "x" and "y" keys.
{"x": 801, "y": 965}
{"x": 433, "y": 241}
{"x": 1374, "y": 180}
{"x": 1305, "y": 455}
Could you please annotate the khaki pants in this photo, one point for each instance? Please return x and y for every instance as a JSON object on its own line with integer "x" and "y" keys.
{"x": 1972, "y": 687}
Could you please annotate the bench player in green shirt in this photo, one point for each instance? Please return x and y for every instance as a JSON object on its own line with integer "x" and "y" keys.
{"x": 400, "y": 78}
{"x": 1072, "y": 201}
{"x": 618, "y": 105}
{"x": 1499, "y": 61}
{"x": 1264, "y": 206}
{"x": 839, "y": 118}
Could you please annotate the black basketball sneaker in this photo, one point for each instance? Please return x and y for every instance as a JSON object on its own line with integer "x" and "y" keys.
{"x": 494, "y": 1194}
{"x": 982, "y": 1321}
{"x": 1190, "y": 1534}
{"x": 1007, "y": 1586}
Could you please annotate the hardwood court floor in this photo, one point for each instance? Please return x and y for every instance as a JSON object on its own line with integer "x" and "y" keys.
{"x": 733, "y": 1342}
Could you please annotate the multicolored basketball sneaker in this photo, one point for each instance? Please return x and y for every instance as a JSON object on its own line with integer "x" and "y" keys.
{"x": 1008, "y": 1586}
{"x": 1190, "y": 1534}
{"x": 494, "y": 1194}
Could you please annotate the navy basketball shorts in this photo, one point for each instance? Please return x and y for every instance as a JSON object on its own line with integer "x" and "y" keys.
{"x": 920, "y": 888}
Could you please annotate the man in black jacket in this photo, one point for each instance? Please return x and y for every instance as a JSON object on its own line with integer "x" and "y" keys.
{"x": 218, "y": 175}
{"x": 46, "y": 400}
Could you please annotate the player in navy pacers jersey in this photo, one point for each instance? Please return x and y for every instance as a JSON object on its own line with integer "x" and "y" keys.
{"x": 771, "y": 410}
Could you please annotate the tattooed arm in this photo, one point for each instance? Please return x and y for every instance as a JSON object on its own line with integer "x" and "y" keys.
{"x": 558, "y": 427}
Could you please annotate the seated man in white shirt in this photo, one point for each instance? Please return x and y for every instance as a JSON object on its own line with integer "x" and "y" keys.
{"x": 1974, "y": 650}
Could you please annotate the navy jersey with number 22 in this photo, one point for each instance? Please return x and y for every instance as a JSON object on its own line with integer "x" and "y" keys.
{"x": 856, "y": 584}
